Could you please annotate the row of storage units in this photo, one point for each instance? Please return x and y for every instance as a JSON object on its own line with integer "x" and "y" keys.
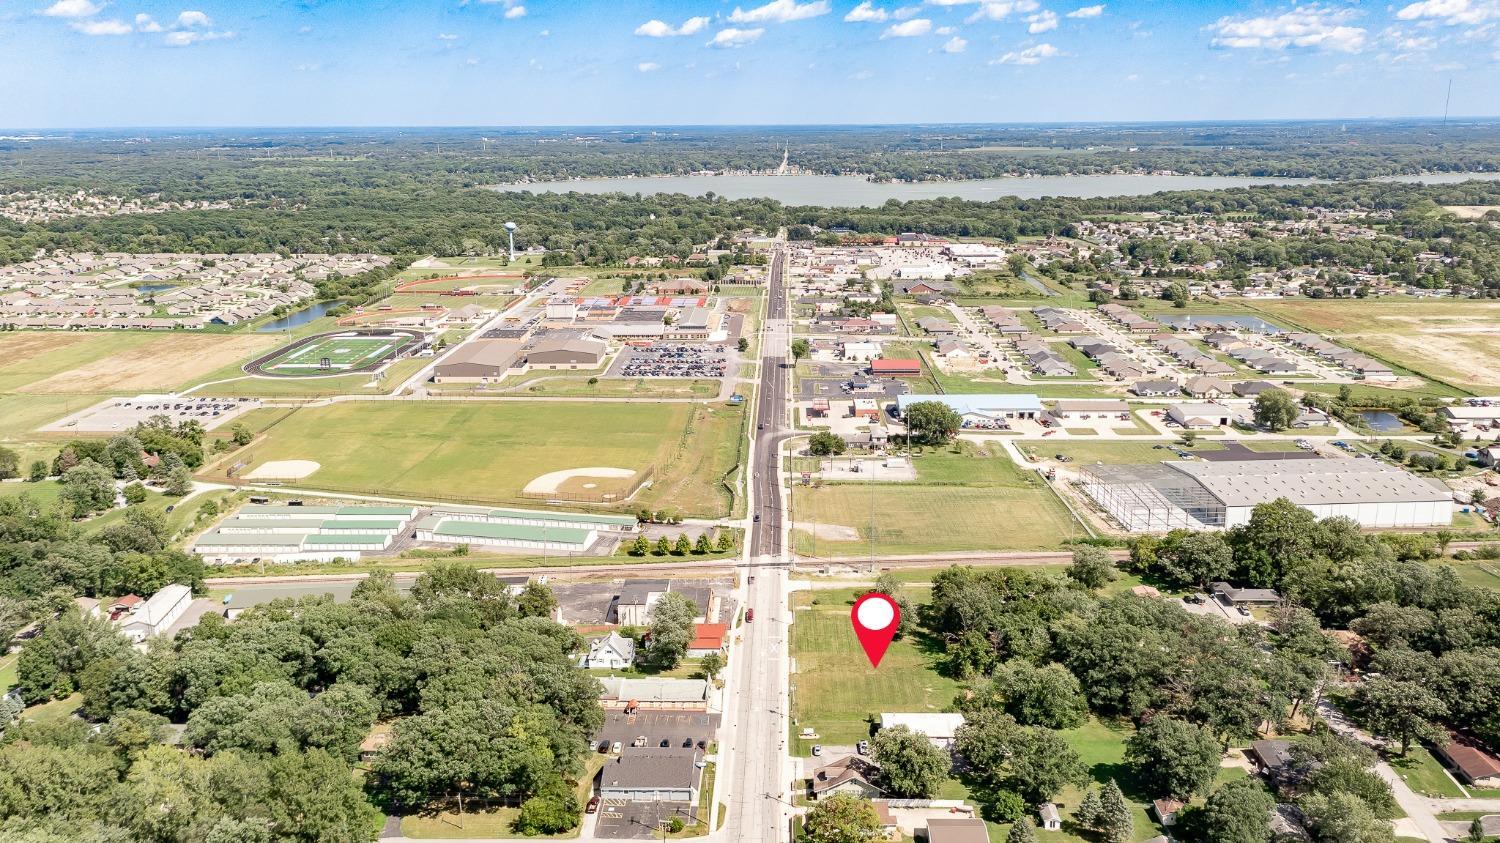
{"x": 439, "y": 529}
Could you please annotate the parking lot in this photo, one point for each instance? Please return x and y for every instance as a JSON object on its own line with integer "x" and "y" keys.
{"x": 677, "y": 728}
{"x": 672, "y": 360}
{"x": 125, "y": 413}
{"x": 622, "y": 820}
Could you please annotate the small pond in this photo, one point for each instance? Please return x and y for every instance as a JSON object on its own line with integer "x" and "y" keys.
{"x": 301, "y": 317}
{"x": 1382, "y": 421}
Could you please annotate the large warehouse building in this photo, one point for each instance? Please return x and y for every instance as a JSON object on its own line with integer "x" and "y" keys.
{"x": 1218, "y": 495}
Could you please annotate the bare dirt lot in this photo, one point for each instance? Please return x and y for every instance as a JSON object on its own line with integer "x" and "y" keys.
{"x": 165, "y": 362}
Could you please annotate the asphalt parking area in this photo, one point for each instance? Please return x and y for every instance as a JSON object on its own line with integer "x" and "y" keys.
{"x": 623, "y": 820}
{"x": 671, "y": 726}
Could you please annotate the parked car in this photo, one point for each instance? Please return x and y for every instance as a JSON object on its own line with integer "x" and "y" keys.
{"x": 639, "y": 742}
{"x": 817, "y": 749}
{"x": 616, "y": 748}
{"x": 749, "y": 615}
{"x": 687, "y": 743}
{"x": 1244, "y": 611}
{"x": 863, "y": 747}
{"x": 593, "y": 806}
{"x": 666, "y": 742}
{"x": 604, "y": 747}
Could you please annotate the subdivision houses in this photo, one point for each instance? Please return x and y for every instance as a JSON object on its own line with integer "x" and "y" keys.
{"x": 1043, "y": 359}
{"x": 1129, "y": 319}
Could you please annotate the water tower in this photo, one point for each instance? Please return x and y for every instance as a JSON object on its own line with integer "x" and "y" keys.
{"x": 510, "y": 229}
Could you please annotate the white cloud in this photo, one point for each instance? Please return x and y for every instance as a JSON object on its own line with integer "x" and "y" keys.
{"x": 1030, "y": 55}
{"x": 1002, "y": 9}
{"x": 731, "y": 37}
{"x": 945, "y": 30}
{"x": 102, "y": 27}
{"x": 309, "y": 68}
{"x": 1452, "y": 12}
{"x": 661, "y": 29}
{"x": 781, "y": 11}
{"x": 515, "y": 12}
{"x": 861, "y": 75}
{"x": 471, "y": 62}
{"x": 1134, "y": 77}
{"x": 955, "y": 45}
{"x": 1041, "y": 21}
{"x": 951, "y": 2}
{"x": 1313, "y": 27}
{"x": 647, "y": 66}
{"x": 908, "y": 29}
{"x": 190, "y": 19}
{"x": 447, "y": 36}
{"x": 146, "y": 23}
{"x": 71, "y": 9}
{"x": 544, "y": 33}
{"x": 865, "y": 13}
{"x": 906, "y": 12}
{"x": 1087, "y": 11}
{"x": 187, "y": 37}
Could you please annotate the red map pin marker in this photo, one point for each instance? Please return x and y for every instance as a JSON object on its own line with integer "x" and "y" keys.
{"x": 876, "y": 618}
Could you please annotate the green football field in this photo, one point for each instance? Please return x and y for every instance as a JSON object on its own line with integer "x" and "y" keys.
{"x": 341, "y": 354}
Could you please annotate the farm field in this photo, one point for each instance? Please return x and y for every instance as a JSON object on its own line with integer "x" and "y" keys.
{"x": 969, "y": 500}
{"x": 490, "y": 451}
{"x": 1450, "y": 340}
{"x": 116, "y": 362}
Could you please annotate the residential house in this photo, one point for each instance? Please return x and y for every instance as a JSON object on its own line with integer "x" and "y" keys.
{"x": 1204, "y": 386}
{"x": 969, "y": 830}
{"x": 852, "y": 776}
{"x": 1051, "y": 818}
{"x": 614, "y": 652}
{"x": 1155, "y": 389}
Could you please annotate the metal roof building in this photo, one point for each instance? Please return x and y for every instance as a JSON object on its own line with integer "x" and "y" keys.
{"x": 1018, "y": 406}
{"x": 1203, "y": 495}
{"x": 526, "y": 536}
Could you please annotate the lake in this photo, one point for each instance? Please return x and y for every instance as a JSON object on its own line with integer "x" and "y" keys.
{"x": 856, "y": 191}
{"x": 1382, "y": 421}
{"x": 301, "y": 317}
{"x": 1244, "y": 323}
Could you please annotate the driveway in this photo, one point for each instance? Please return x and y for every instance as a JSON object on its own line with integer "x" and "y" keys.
{"x": 1418, "y": 809}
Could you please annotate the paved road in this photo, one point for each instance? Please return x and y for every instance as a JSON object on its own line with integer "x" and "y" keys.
{"x": 756, "y": 771}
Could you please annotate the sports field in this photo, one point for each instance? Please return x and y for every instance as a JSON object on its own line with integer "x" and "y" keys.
{"x": 335, "y": 354}
{"x": 960, "y": 501}
{"x": 1446, "y": 339}
{"x": 489, "y": 452}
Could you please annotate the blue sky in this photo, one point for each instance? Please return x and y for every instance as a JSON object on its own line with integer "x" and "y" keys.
{"x": 98, "y": 63}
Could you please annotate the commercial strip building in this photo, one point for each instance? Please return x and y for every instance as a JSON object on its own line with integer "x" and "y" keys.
{"x": 1218, "y": 495}
{"x": 652, "y": 774}
{"x": 980, "y": 409}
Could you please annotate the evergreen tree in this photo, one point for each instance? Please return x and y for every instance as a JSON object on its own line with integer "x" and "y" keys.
{"x": 1114, "y": 815}
{"x": 1021, "y": 832}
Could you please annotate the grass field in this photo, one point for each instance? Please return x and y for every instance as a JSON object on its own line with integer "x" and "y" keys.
{"x": 1424, "y": 774}
{"x": 1453, "y": 340}
{"x": 961, "y": 501}
{"x": 116, "y": 362}
{"x": 836, "y": 693}
{"x": 489, "y": 451}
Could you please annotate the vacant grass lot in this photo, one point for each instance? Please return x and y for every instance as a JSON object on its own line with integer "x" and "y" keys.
{"x": 117, "y": 362}
{"x": 966, "y": 500}
{"x": 489, "y": 451}
{"x": 1450, "y": 340}
{"x": 837, "y": 694}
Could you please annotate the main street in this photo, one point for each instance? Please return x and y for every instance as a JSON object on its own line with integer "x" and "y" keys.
{"x": 755, "y": 771}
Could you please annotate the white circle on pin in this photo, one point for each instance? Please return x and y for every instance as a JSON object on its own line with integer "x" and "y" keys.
{"x": 876, "y": 613}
